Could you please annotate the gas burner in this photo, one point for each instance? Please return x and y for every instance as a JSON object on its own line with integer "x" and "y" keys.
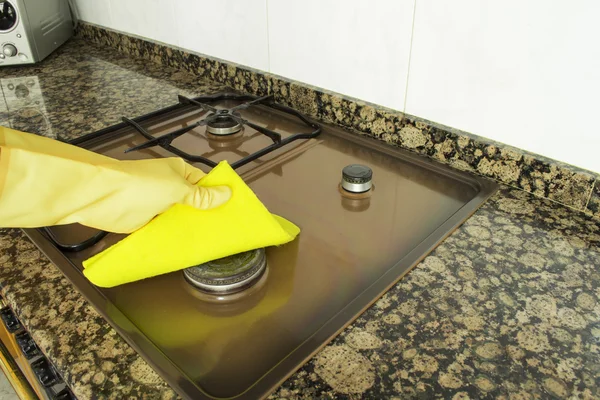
{"x": 223, "y": 125}
{"x": 231, "y": 303}
{"x": 229, "y": 274}
{"x": 221, "y": 142}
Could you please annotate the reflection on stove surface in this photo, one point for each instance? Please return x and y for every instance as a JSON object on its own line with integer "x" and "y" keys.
{"x": 24, "y": 107}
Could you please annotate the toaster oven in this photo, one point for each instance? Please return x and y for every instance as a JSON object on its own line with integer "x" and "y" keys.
{"x": 32, "y": 29}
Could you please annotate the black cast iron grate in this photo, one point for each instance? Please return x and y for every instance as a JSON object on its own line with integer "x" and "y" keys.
{"x": 165, "y": 140}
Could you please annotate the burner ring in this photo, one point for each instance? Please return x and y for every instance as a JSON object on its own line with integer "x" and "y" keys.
{"x": 223, "y": 125}
{"x": 228, "y": 275}
{"x": 224, "y": 140}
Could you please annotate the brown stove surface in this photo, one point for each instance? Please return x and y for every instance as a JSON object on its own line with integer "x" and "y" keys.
{"x": 349, "y": 252}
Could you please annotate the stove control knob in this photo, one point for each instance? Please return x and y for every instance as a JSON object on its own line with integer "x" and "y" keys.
{"x": 357, "y": 178}
{"x": 27, "y": 345}
{"x": 9, "y": 50}
{"x": 44, "y": 372}
{"x": 64, "y": 394}
{"x": 10, "y": 320}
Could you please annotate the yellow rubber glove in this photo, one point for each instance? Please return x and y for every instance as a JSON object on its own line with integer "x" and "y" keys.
{"x": 44, "y": 182}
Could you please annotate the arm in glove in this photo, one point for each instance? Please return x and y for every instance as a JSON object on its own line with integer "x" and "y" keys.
{"x": 44, "y": 182}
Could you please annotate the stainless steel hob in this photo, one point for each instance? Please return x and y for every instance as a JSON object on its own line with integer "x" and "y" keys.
{"x": 368, "y": 213}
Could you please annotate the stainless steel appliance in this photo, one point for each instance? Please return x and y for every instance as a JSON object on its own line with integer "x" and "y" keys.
{"x": 32, "y": 29}
{"x": 238, "y": 327}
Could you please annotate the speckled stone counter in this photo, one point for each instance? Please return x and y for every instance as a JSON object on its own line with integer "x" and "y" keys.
{"x": 506, "y": 307}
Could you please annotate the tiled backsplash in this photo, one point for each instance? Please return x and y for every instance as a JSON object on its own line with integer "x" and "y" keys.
{"x": 358, "y": 48}
{"x": 522, "y": 73}
{"x": 543, "y": 177}
{"x": 199, "y": 23}
{"x": 525, "y": 73}
{"x": 365, "y": 55}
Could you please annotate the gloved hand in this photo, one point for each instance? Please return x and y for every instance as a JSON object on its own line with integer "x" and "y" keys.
{"x": 44, "y": 182}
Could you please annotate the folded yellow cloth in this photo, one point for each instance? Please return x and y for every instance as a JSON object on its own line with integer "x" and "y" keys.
{"x": 45, "y": 182}
{"x": 185, "y": 236}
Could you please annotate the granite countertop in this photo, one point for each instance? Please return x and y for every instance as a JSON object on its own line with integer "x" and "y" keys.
{"x": 506, "y": 307}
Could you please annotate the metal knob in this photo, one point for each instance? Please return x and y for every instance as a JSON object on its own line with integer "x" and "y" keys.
{"x": 43, "y": 371}
{"x": 357, "y": 178}
{"x": 9, "y": 50}
{"x": 27, "y": 345}
{"x": 10, "y": 320}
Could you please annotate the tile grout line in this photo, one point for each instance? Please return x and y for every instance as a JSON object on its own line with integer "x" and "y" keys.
{"x": 587, "y": 203}
{"x": 268, "y": 38}
{"x": 511, "y": 186}
{"x": 412, "y": 35}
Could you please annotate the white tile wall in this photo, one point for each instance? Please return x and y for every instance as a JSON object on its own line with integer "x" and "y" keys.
{"x": 523, "y": 73}
{"x": 365, "y": 55}
{"x": 526, "y": 73}
{"x": 357, "y": 48}
{"x": 148, "y": 18}
{"x": 94, "y": 11}
{"x": 234, "y": 30}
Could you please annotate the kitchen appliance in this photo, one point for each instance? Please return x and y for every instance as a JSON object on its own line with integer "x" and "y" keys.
{"x": 32, "y": 29}
{"x": 238, "y": 327}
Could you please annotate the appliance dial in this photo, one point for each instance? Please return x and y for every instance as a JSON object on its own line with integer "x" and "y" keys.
{"x": 43, "y": 371}
{"x": 10, "y": 320}
{"x": 27, "y": 345}
{"x": 64, "y": 394}
{"x": 8, "y": 16}
{"x": 9, "y": 50}
{"x": 357, "y": 178}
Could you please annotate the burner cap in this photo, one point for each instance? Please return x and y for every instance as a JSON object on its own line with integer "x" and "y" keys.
{"x": 357, "y": 178}
{"x": 229, "y": 274}
{"x": 223, "y": 125}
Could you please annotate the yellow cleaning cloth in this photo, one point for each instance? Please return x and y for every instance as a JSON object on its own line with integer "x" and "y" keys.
{"x": 185, "y": 236}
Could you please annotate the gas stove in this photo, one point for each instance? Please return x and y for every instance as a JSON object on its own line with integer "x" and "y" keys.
{"x": 239, "y": 326}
